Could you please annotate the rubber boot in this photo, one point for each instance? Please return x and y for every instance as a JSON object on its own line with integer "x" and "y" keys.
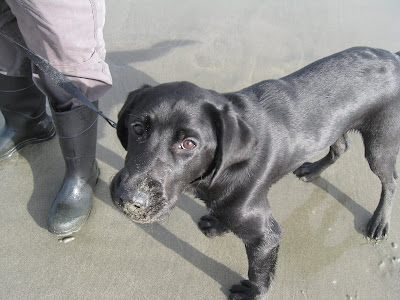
{"x": 24, "y": 109}
{"x": 77, "y": 131}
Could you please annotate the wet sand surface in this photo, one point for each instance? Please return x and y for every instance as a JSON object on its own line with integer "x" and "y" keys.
{"x": 225, "y": 46}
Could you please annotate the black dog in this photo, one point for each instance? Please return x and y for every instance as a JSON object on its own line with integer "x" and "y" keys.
{"x": 228, "y": 149}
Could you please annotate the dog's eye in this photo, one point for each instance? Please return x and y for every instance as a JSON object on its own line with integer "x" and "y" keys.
{"x": 138, "y": 129}
{"x": 188, "y": 145}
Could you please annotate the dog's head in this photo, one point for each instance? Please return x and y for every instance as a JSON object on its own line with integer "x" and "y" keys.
{"x": 175, "y": 134}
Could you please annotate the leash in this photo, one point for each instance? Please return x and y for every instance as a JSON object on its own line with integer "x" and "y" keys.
{"x": 58, "y": 78}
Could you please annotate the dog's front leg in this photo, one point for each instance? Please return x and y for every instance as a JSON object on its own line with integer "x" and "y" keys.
{"x": 262, "y": 254}
{"x": 211, "y": 226}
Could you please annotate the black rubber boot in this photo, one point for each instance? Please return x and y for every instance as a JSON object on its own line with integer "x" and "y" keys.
{"x": 77, "y": 131}
{"x": 24, "y": 109}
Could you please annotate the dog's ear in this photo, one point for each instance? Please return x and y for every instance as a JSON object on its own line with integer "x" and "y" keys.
{"x": 122, "y": 127}
{"x": 236, "y": 140}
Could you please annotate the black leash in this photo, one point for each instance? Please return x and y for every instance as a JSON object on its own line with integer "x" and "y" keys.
{"x": 58, "y": 78}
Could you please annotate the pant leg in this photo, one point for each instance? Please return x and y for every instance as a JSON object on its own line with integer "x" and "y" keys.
{"x": 13, "y": 61}
{"x": 68, "y": 33}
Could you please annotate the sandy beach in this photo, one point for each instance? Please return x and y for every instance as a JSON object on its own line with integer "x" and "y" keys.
{"x": 224, "y": 46}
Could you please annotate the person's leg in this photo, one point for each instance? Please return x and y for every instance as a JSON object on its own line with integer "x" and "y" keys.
{"x": 69, "y": 35}
{"x": 22, "y": 105}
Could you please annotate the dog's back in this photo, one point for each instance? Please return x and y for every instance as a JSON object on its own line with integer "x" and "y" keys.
{"x": 314, "y": 106}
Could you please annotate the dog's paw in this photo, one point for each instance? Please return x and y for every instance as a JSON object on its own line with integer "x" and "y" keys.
{"x": 240, "y": 291}
{"x": 306, "y": 172}
{"x": 245, "y": 291}
{"x": 378, "y": 227}
{"x": 211, "y": 226}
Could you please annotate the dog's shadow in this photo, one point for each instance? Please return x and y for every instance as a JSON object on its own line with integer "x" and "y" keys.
{"x": 313, "y": 222}
{"x": 220, "y": 273}
{"x": 361, "y": 215}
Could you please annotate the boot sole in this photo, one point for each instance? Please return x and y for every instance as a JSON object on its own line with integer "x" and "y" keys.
{"x": 72, "y": 231}
{"x": 26, "y": 143}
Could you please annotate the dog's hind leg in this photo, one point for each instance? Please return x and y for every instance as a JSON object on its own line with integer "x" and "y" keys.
{"x": 309, "y": 171}
{"x": 381, "y": 150}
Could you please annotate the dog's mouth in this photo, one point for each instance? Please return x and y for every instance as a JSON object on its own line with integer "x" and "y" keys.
{"x": 143, "y": 200}
{"x": 140, "y": 214}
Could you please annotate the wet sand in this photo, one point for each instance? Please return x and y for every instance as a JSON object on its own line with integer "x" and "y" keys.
{"x": 225, "y": 46}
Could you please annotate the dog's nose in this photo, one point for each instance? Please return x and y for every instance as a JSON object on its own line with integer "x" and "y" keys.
{"x": 135, "y": 208}
{"x": 121, "y": 202}
{"x": 133, "y": 204}
{"x": 136, "y": 205}
{"x": 136, "y": 197}
{"x": 131, "y": 199}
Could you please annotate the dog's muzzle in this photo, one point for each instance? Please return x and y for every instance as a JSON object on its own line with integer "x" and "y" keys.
{"x": 142, "y": 202}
